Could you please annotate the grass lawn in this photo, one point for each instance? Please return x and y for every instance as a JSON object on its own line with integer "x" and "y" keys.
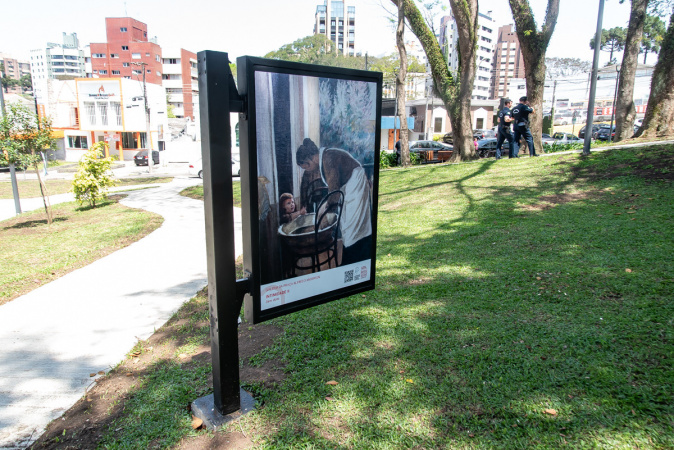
{"x": 31, "y": 188}
{"x": 519, "y": 304}
{"x": 197, "y": 192}
{"x": 33, "y": 253}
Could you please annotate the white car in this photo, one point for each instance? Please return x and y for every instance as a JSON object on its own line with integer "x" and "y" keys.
{"x": 196, "y": 168}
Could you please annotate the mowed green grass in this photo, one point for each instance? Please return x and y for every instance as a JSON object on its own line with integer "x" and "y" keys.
{"x": 518, "y": 304}
{"x": 30, "y": 188}
{"x": 33, "y": 253}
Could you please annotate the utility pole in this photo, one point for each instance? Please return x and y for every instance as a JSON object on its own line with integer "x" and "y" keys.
{"x": 150, "y": 159}
{"x": 552, "y": 110}
{"x": 12, "y": 169}
{"x": 615, "y": 94}
{"x": 593, "y": 82}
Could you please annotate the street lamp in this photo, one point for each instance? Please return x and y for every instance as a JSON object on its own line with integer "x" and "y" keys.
{"x": 593, "y": 81}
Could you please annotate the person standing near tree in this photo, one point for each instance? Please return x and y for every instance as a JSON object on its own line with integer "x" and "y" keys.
{"x": 520, "y": 115}
{"x": 504, "y": 119}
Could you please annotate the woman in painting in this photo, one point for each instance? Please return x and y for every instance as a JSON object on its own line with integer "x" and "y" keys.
{"x": 340, "y": 171}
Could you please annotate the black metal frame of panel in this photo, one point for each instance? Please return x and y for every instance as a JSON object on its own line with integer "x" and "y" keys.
{"x": 246, "y": 68}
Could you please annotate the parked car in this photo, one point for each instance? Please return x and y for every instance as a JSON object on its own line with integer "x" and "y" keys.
{"x": 484, "y": 134}
{"x": 562, "y": 120}
{"x": 196, "y": 168}
{"x": 487, "y": 147}
{"x": 603, "y": 132}
{"x": 595, "y": 128}
{"x": 141, "y": 158}
{"x": 565, "y": 138}
{"x": 547, "y": 139}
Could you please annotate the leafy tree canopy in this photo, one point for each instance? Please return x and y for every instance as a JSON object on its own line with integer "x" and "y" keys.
{"x": 318, "y": 49}
{"x": 612, "y": 40}
{"x": 564, "y": 67}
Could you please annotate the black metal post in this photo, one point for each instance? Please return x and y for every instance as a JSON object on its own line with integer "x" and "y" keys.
{"x": 224, "y": 303}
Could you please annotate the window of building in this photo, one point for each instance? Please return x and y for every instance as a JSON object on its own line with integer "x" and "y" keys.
{"x": 125, "y": 64}
{"x": 125, "y": 47}
{"x": 103, "y": 72}
{"x": 147, "y": 54}
{"x": 135, "y": 55}
{"x": 77, "y": 142}
{"x": 170, "y": 61}
{"x": 129, "y": 140}
{"x": 114, "y": 55}
{"x": 122, "y": 29}
{"x": 115, "y": 72}
{"x": 126, "y": 77}
{"x": 116, "y": 111}
{"x": 437, "y": 125}
{"x": 136, "y": 72}
{"x": 90, "y": 112}
{"x": 103, "y": 110}
{"x": 149, "y": 70}
{"x": 98, "y": 55}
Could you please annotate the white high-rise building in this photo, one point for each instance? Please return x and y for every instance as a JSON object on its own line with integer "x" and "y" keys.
{"x": 486, "y": 37}
{"x": 336, "y": 19}
{"x": 64, "y": 61}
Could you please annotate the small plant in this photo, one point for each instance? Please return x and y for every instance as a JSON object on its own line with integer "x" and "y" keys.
{"x": 93, "y": 176}
{"x": 387, "y": 160}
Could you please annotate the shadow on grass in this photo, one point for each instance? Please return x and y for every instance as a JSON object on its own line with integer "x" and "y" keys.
{"x": 514, "y": 325}
{"x": 34, "y": 223}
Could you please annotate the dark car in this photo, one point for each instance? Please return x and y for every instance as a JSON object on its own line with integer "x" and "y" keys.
{"x": 141, "y": 158}
{"x": 486, "y": 147}
{"x": 484, "y": 134}
{"x": 421, "y": 147}
{"x": 603, "y": 133}
{"x": 595, "y": 128}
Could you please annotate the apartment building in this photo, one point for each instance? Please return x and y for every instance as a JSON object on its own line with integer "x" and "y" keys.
{"x": 336, "y": 19}
{"x": 14, "y": 69}
{"x": 127, "y": 53}
{"x": 486, "y": 34}
{"x": 508, "y": 62}
{"x": 180, "y": 79}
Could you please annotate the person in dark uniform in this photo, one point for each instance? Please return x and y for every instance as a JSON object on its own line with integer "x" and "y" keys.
{"x": 521, "y": 118}
{"x": 504, "y": 119}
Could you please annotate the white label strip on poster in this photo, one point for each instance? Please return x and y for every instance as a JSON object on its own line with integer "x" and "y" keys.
{"x": 309, "y": 285}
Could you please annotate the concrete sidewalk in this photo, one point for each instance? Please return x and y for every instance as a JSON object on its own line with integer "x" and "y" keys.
{"x": 53, "y": 338}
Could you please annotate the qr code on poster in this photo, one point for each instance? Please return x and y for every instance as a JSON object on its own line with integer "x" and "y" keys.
{"x": 348, "y": 276}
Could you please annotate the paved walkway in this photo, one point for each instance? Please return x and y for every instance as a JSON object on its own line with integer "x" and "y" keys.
{"x": 54, "y": 337}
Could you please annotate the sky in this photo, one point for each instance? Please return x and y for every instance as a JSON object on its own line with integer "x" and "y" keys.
{"x": 256, "y": 27}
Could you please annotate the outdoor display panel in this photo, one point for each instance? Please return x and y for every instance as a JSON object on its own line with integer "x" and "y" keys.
{"x": 310, "y": 147}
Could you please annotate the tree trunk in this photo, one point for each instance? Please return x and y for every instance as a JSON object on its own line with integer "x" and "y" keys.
{"x": 534, "y": 45}
{"x": 45, "y": 195}
{"x": 659, "y": 119}
{"x": 400, "y": 86}
{"x": 455, "y": 92}
{"x": 625, "y": 113}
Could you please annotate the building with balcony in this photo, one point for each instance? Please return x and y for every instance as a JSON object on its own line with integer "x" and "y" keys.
{"x": 14, "y": 69}
{"x": 336, "y": 19}
{"x": 128, "y": 53}
{"x": 180, "y": 79}
{"x": 508, "y": 62}
{"x": 448, "y": 40}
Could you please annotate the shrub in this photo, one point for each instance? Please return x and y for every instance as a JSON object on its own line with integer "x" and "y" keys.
{"x": 387, "y": 160}
{"x": 93, "y": 176}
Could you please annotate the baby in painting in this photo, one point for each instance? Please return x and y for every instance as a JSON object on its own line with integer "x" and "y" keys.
{"x": 287, "y": 208}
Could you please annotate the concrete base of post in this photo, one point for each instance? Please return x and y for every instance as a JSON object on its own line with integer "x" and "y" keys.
{"x": 204, "y": 409}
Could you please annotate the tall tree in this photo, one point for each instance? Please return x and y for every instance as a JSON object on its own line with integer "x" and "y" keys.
{"x": 612, "y": 41}
{"x": 659, "y": 118}
{"x": 625, "y": 112}
{"x": 454, "y": 91}
{"x": 654, "y": 33}
{"x": 400, "y": 86}
{"x": 534, "y": 44}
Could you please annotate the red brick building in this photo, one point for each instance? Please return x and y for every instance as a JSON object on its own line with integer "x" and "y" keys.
{"x": 127, "y": 47}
